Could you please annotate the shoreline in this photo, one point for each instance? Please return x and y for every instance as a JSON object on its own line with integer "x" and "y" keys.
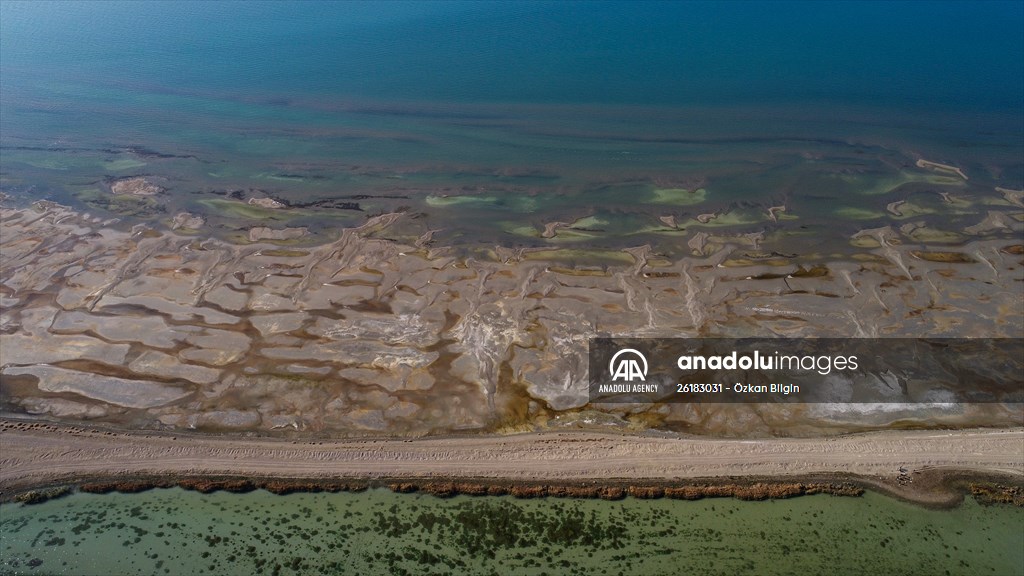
{"x": 940, "y": 466}
{"x": 947, "y": 488}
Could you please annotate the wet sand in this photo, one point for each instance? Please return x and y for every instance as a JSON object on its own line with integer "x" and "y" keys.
{"x": 35, "y": 454}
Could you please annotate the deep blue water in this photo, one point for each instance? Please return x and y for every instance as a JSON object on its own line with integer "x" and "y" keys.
{"x": 956, "y": 54}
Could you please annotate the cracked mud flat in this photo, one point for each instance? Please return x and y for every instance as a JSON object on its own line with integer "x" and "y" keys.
{"x": 371, "y": 334}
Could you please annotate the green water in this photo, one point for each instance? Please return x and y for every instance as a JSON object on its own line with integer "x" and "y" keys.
{"x": 378, "y": 532}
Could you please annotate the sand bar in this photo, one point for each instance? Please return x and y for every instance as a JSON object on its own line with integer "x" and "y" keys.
{"x": 37, "y": 454}
{"x": 941, "y": 167}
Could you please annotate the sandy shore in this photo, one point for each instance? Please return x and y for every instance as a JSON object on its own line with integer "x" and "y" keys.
{"x": 39, "y": 454}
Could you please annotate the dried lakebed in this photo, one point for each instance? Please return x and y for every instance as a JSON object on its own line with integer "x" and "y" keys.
{"x": 369, "y": 334}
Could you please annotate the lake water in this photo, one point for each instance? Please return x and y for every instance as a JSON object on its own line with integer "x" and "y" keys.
{"x": 172, "y": 531}
{"x": 488, "y": 120}
{"x": 485, "y": 121}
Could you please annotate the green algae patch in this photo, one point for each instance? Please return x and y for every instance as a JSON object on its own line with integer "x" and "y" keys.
{"x": 524, "y": 204}
{"x": 279, "y": 177}
{"x": 281, "y": 253}
{"x": 874, "y": 185}
{"x": 935, "y": 236}
{"x": 511, "y": 202}
{"x": 853, "y": 213}
{"x": 121, "y": 204}
{"x": 590, "y": 223}
{"x": 744, "y": 262}
{"x": 913, "y": 210}
{"x": 571, "y": 235}
{"x": 449, "y": 201}
{"x": 123, "y": 164}
{"x": 584, "y": 271}
{"x": 658, "y": 262}
{"x": 234, "y": 209}
{"x": 733, "y": 219}
{"x": 660, "y": 230}
{"x": 944, "y": 257}
{"x": 524, "y": 230}
{"x": 582, "y": 256}
{"x": 678, "y": 196}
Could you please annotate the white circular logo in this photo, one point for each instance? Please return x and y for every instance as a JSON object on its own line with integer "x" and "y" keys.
{"x": 628, "y": 368}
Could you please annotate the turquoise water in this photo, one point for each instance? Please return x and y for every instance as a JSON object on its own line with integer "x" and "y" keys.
{"x": 379, "y": 532}
{"x": 541, "y": 111}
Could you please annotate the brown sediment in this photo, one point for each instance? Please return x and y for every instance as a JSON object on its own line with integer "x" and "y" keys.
{"x": 123, "y": 486}
{"x": 937, "y": 489}
{"x": 617, "y": 490}
{"x": 995, "y": 493}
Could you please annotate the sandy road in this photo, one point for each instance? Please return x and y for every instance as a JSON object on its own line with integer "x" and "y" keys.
{"x": 35, "y": 453}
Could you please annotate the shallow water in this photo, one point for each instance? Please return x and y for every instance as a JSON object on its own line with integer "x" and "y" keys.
{"x": 172, "y": 531}
{"x": 537, "y": 112}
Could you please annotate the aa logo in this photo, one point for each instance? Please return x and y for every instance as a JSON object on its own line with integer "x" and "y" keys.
{"x": 626, "y": 366}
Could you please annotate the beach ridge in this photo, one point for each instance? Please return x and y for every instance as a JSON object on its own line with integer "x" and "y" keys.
{"x": 39, "y": 454}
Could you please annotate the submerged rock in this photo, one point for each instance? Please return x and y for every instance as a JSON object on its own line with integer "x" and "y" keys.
{"x": 137, "y": 186}
{"x": 187, "y": 221}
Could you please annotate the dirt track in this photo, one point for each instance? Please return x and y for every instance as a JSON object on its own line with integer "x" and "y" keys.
{"x": 34, "y": 454}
